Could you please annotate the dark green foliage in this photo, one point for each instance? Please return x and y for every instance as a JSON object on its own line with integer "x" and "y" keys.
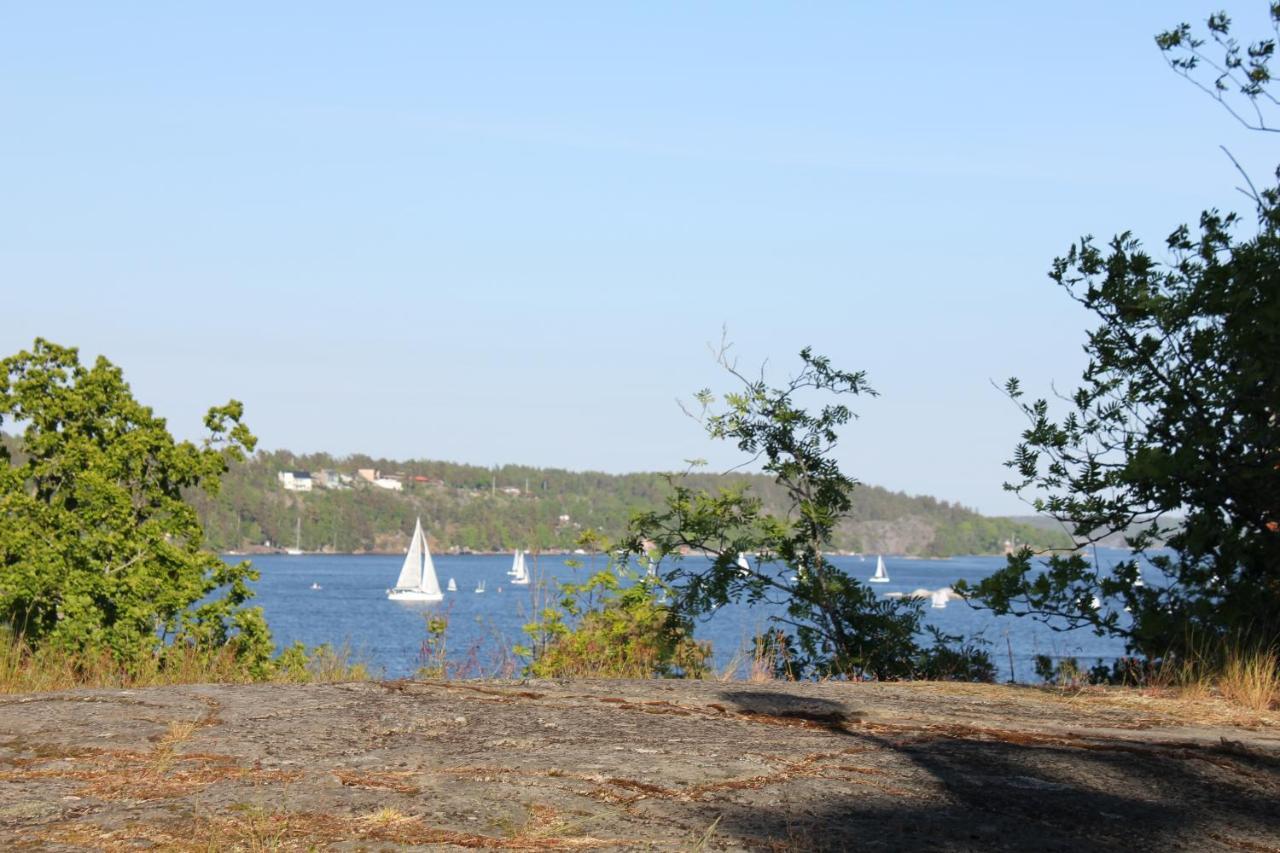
{"x": 98, "y": 548}
{"x": 836, "y": 625}
{"x": 1176, "y": 414}
{"x": 952, "y": 658}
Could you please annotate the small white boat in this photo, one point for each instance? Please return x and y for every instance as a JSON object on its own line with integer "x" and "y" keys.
{"x": 316, "y": 586}
{"x": 744, "y": 566}
{"x": 938, "y": 598}
{"x": 881, "y": 576}
{"x": 417, "y": 581}
{"x": 480, "y": 586}
{"x": 519, "y": 573}
{"x": 453, "y": 585}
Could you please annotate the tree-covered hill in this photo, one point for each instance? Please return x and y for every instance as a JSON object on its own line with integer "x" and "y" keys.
{"x": 466, "y": 507}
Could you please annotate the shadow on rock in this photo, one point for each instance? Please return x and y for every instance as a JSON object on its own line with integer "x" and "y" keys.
{"x": 925, "y": 791}
{"x": 833, "y": 716}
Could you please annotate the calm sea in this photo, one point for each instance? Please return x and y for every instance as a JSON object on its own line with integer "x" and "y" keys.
{"x": 350, "y": 609}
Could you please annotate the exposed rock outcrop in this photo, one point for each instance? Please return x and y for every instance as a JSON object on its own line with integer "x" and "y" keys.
{"x": 629, "y": 765}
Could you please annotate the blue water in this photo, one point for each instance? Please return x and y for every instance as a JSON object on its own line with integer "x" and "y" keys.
{"x": 351, "y": 610}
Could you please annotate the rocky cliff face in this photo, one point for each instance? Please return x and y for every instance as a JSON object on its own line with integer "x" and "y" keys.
{"x": 909, "y": 535}
{"x": 654, "y": 765}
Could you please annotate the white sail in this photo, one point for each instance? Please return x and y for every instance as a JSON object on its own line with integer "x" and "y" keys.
{"x": 430, "y": 583}
{"x": 411, "y": 571}
{"x": 297, "y": 541}
{"x": 520, "y": 574}
{"x": 417, "y": 581}
{"x": 744, "y": 567}
{"x": 453, "y": 585}
{"x": 881, "y": 576}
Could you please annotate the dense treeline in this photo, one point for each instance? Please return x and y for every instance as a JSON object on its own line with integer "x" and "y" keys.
{"x": 464, "y": 506}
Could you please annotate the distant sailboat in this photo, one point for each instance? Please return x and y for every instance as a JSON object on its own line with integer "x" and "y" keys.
{"x": 938, "y": 598}
{"x": 453, "y": 585}
{"x": 744, "y": 567}
{"x": 881, "y": 576}
{"x": 519, "y": 574}
{"x": 417, "y": 581}
{"x": 297, "y": 540}
{"x": 316, "y": 586}
{"x": 480, "y": 586}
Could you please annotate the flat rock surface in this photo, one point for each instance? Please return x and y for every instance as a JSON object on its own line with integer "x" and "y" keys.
{"x": 663, "y": 765}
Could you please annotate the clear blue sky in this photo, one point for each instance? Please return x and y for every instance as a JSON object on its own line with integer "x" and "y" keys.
{"x": 505, "y": 232}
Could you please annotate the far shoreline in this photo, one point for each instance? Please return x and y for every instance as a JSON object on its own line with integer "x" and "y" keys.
{"x": 276, "y": 552}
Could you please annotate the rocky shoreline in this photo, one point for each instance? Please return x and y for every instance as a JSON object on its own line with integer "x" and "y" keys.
{"x": 661, "y": 765}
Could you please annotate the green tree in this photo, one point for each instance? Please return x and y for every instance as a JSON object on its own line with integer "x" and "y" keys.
{"x": 99, "y": 549}
{"x": 1176, "y": 416}
{"x": 613, "y": 627}
{"x": 837, "y": 624}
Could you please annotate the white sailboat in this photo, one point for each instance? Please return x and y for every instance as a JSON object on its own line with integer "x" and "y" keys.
{"x": 519, "y": 573}
{"x": 744, "y": 567}
{"x": 881, "y": 576}
{"x": 417, "y": 581}
{"x": 453, "y": 585}
{"x": 480, "y": 586}
{"x": 297, "y": 540}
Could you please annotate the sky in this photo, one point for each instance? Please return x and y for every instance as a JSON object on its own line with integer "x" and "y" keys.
{"x": 507, "y": 232}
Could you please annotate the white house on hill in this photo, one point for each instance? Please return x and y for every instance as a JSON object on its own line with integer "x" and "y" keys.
{"x": 295, "y": 481}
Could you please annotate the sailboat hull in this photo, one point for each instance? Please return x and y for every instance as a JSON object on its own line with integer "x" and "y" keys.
{"x": 877, "y": 580}
{"x": 414, "y": 595}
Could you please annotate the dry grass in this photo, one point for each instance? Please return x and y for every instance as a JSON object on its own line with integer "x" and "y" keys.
{"x": 397, "y": 782}
{"x": 27, "y": 670}
{"x": 24, "y": 670}
{"x": 1241, "y": 677}
{"x": 327, "y": 665}
{"x": 254, "y": 829}
{"x": 1197, "y": 698}
{"x": 1250, "y": 680}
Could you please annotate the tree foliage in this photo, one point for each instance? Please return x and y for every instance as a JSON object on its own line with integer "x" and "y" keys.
{"x": 834, "y": 624}
{"x": 99, "y": 550}
{"x": 459, "y": 509}
{"x": 1238, "y": 77}
{"x": 1176, "y": 416}
{"x": 613, "y": 627}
